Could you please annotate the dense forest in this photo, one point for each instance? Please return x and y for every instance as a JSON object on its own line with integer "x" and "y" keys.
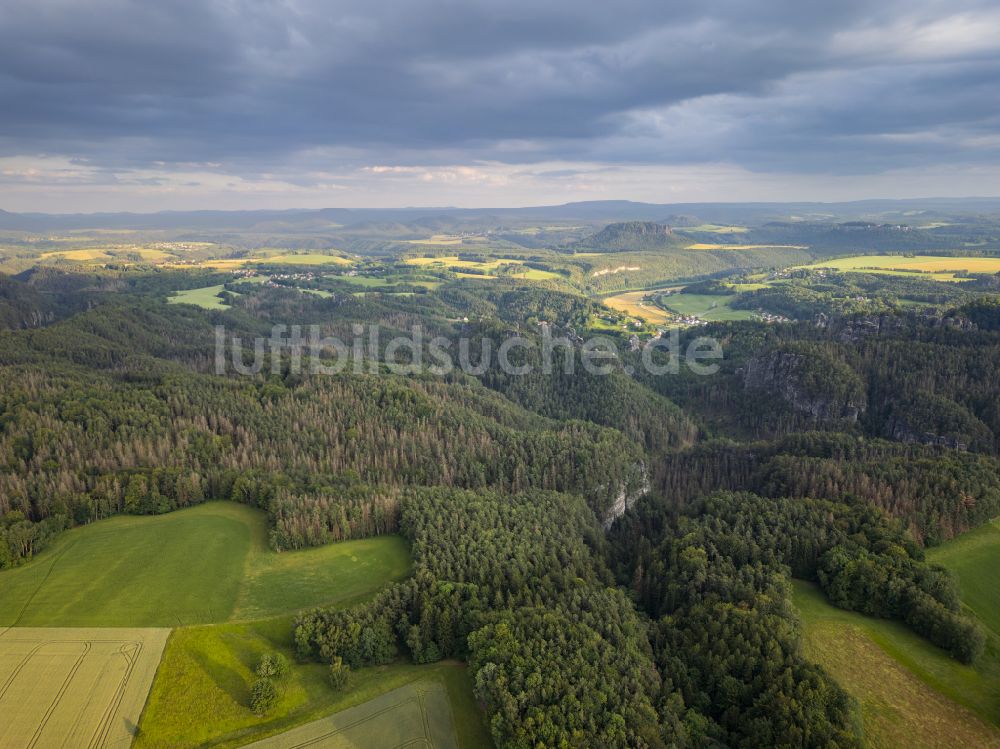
{"x": 806, "y": 294}
{"x": 611, "y": 554}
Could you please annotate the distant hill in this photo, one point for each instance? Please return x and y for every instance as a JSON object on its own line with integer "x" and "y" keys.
{"x": 630, "y": 235}
{"x": 588, "y": 212}
{"x": 681, "y": 220}
{"x": 848, "y": 235}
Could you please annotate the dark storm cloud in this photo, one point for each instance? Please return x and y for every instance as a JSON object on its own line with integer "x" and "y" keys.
{"x": 779, "y": 85}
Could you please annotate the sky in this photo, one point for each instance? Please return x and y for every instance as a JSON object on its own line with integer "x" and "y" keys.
{"x": 122, "y": 105}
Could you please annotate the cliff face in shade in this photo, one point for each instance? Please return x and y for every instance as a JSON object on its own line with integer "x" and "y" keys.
{"x": 929, "y": 419}
{"x": 22, "y": 306}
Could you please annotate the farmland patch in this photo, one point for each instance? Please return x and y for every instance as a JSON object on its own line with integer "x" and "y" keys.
{"x": 75, "y": 687}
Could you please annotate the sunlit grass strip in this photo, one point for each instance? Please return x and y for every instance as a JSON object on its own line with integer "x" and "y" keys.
{"x": 417, "y": 714}
{"x": 906, "y": 685}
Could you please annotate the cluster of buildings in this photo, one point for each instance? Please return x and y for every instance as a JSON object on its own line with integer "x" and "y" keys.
{"x": 770, "y": 317}
{"x": 690, "y": 320}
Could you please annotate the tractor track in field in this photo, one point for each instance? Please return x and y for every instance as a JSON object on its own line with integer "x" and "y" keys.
{"x": 41, "y": 584}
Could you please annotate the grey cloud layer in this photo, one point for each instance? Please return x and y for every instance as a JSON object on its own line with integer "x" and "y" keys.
{"x": 779, "y": 85}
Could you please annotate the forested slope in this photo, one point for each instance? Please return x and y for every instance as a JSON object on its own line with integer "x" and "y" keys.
{"x": 833, "y": 451}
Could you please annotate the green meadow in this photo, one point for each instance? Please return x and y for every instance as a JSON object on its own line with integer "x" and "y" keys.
{"x": 207, "y": 572}
{"x": 416, "y": 714}
{"x": 202, "y": 689}
{"x": 453, "y": 262}
{"x": 709, "y": 307}
{"x": 480, "y": 268}
{"x": 909, "y": 692}
{"x": 377, "y": 282}
{"x": 339, "y": 573}
{"x": 207, "y": 297}
{"x": 302, "y": 258}
{"x": 537, "y": 274}
{"x": 208, "y": 563}
{"x": 975, "y": 558}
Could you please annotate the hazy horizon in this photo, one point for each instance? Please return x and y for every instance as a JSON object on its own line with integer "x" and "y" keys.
{"x": 957, "y": 199}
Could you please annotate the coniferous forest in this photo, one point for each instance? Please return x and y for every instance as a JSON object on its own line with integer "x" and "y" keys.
{"x": 611, "y": 554}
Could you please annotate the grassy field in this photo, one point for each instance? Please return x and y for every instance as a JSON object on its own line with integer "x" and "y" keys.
{"x": 183, "y": 567}
{"x": 975, "y": 558}
{"x": 303, "y": 258}
{"x": 537, "y": 274}
{"x": 480, "y": 269}
{"x": 207, "y": 297}
{"x": 108, "y": 254}
{"x": 631, "y": 303}
{"x": 208, "y": 563}
{"x": 281, "y": 258}
{"x": 418, "y": 713}
{"x": 937, "y": 267}
{"x": 79, "y": 256}
{"x": 600, "y": 324}
{"x": 377, "y": 282}
{"x": 75, "y": 687}
{"x": 202, "y": 688}
{"x": 336, "y": 573}
{"x": 910, "y": 692}
{"x": 453, "y": 261}
{"x": 710, "y": 307}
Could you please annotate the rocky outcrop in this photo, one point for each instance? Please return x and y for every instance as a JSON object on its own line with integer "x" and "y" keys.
{"x": 626, "y": 497}
{"x": 927, "y": 418}
{"x": 934, "y": 318}
{"x": 900, "y": 430}
{"x": 855, "y": 329}
{"x": 867, "y": 326}
{"x": 630, "y": 235}
{"x": 791, "y": 375}
{"x": 21, "y": 306}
